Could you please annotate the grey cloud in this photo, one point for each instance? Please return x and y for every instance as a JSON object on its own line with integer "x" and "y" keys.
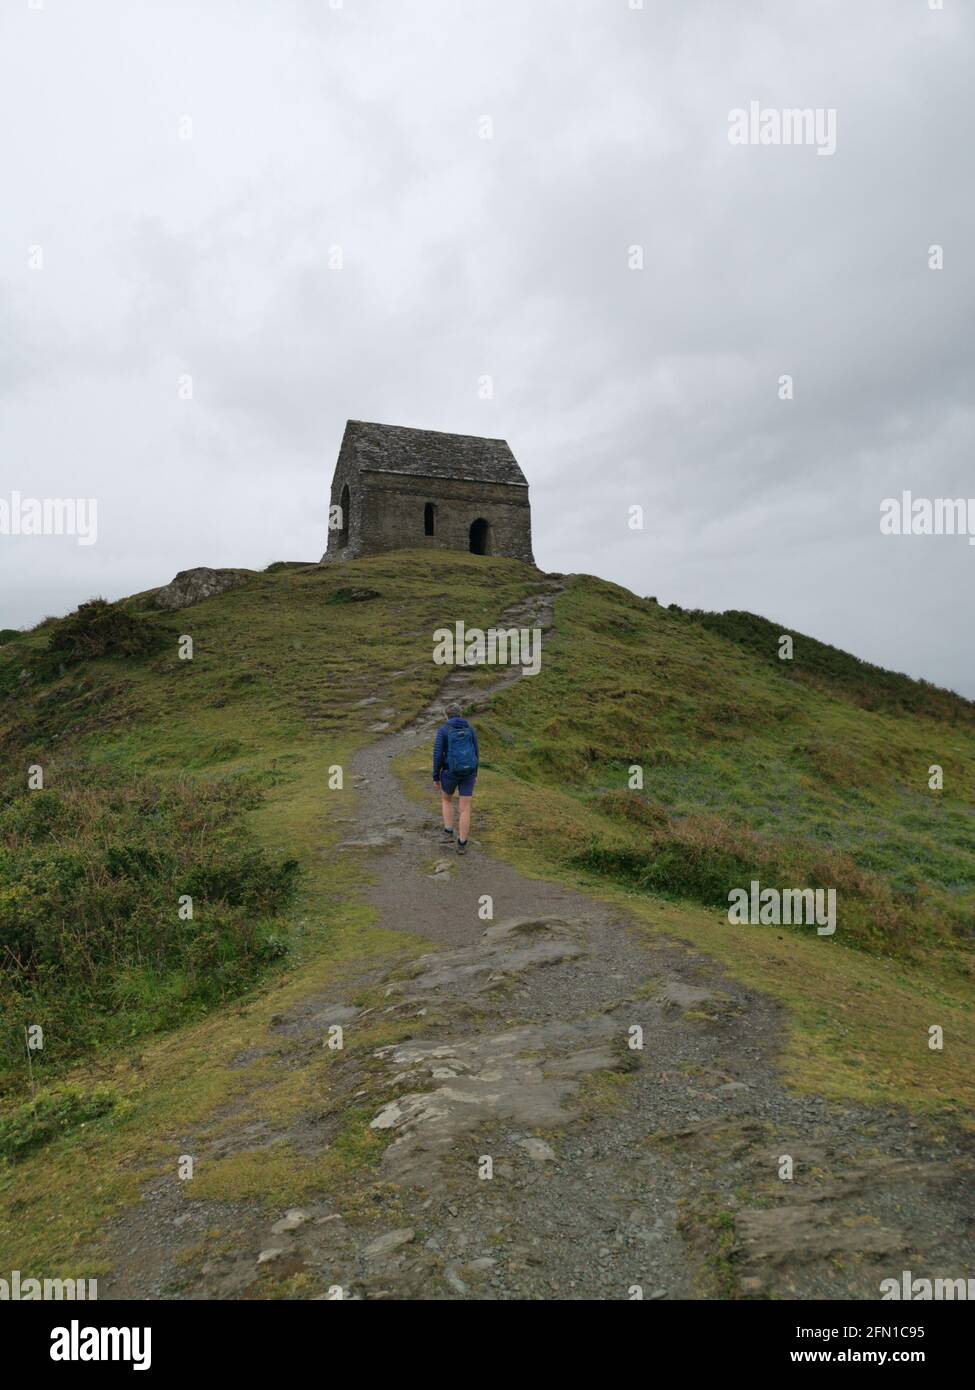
{"x": 358, "y": 127}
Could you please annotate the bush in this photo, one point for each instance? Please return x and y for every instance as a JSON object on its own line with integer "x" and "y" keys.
{"x": 92, "y": 870}
{"x": 98, "y": 629}
{"x": 704, "y": 857}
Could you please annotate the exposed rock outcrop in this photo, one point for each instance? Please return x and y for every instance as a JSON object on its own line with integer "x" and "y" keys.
{"x": 193, "y": 586}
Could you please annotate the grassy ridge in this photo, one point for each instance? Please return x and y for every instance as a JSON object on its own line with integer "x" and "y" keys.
{"x": 746, "y": 771}
{"x": 837, "y": 672}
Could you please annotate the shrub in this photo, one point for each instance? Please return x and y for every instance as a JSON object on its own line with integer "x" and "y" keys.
{"x": 704, "y": 857}
{"x": 98, "y": 629}
{"x": 92, "y": 871}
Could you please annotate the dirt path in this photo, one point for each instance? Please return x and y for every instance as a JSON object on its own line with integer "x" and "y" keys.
{"x": 533, "y": 1153}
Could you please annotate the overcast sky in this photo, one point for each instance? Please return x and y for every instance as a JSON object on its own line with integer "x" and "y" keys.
{"x": 361, "y": 127}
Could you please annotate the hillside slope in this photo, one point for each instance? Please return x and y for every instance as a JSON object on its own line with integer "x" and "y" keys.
{"x": 215, "y": 778}
{"x": 150, "y": 765}
{"x": 809, "y": 772}
{"x": 751, "y": 767}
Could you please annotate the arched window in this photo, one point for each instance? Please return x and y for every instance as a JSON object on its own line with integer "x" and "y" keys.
{"x": 429, "y": 520}
{"x": 480, "y": 537}
{"x": 344, "y": 504}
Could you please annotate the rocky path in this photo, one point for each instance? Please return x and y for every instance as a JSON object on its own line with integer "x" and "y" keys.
{"x": 532, "y": 1151}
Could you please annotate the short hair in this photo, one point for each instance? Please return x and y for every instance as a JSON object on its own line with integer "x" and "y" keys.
{"x": 453, "y": 710}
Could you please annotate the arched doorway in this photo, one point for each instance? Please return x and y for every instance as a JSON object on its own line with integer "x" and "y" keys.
{"x": 480, "y": 537}
{"x": 344, "y": 504}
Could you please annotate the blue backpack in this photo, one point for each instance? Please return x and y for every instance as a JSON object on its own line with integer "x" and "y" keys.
{"x": 461, "y": 758}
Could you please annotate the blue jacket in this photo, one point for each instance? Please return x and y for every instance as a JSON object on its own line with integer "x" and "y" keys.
{"x": 440, "y": 744}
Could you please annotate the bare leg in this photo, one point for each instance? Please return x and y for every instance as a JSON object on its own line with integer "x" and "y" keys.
{"x": 464, "y": 822}
{"x": 447, "y": 807}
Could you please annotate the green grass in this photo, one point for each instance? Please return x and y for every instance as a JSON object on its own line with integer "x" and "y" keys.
{"x": 29, "y": 1126}
{"x": 746, "y": 771}
{"x": 158, "y": 768}
{"x": 836, "y": 672}
{"x": 155, "y": 772}
{"x": 856, "y": 1022}
{"x": 129, "y": 904}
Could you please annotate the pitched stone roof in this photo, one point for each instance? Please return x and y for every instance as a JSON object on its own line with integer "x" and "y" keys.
{"x": 431, "y": 454}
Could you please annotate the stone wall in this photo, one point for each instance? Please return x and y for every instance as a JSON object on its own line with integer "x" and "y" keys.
{"x": 346, "y": 474}
{"x": 387, "y": 513}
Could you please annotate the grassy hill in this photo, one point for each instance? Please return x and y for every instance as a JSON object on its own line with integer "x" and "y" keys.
{"x": 752, "y": 767}
{"x": 794, "y": 773}
{"x": 836, "y": 672}
{"x": 208, "y": 778}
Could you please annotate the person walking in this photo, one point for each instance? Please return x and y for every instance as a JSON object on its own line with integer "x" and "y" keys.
{"x": 455, "y": 762}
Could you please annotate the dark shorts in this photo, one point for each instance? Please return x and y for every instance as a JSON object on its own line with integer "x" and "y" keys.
{"x": 465, "y": 786}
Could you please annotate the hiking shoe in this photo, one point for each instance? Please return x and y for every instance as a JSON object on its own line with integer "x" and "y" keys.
{"x": 461, "y": 846}
{"x": 449, "y": 834}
